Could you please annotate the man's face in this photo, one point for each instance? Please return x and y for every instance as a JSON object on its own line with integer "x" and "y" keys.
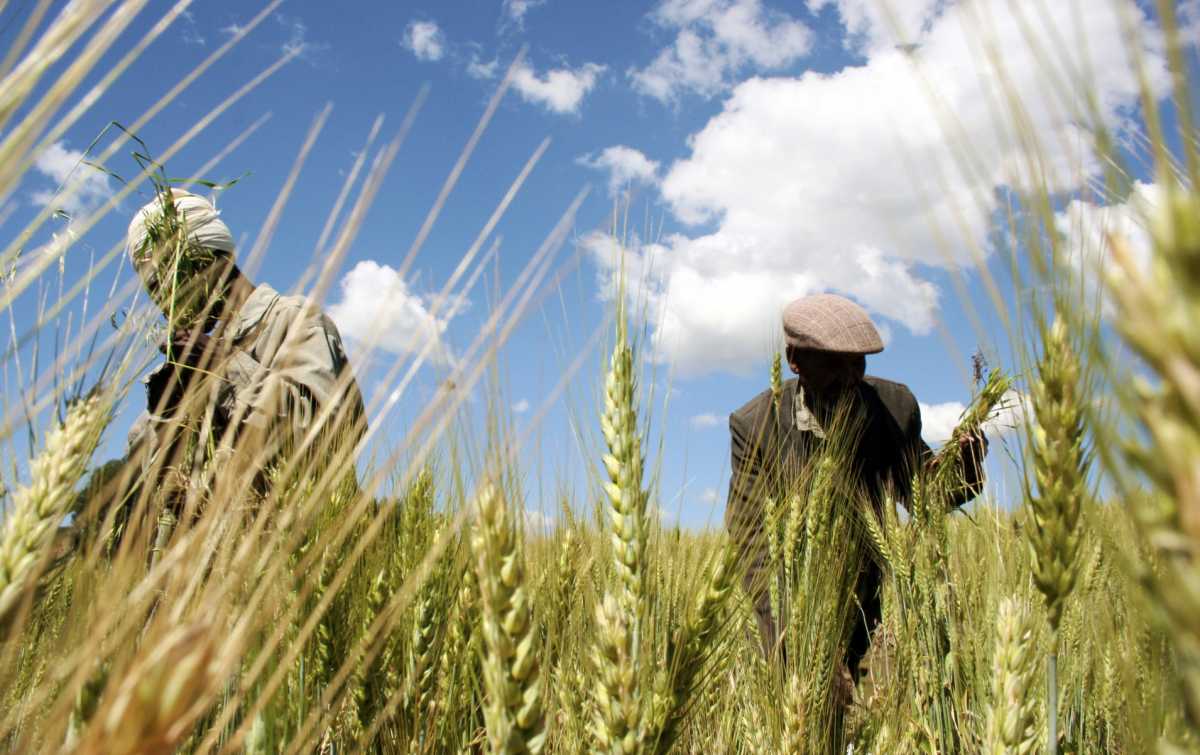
{"x": 825, "y": 372}
{"x": 189, "y": 298}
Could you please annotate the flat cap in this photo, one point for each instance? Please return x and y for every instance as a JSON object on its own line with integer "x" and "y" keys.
{"x": 828, "y": 322}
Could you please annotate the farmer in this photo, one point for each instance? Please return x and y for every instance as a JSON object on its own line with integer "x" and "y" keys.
{"x": 253, "y": 375}
{"x": 827, "y": 338}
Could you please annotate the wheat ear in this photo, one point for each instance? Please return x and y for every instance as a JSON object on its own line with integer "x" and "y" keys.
{"x": 513, "y": 708}
{"x": 1060, "y": 467}
{"x": 619, "y": 715}
{"x": 1012, "y": 716}
{"x": 688, "y": 652}
{"x": 1157, "y": 308}
{"x": 623, "y": 462}
{"x": 159, "y": 698}
{"x": 617, "y": 697}
{"x": 39, "y": 508}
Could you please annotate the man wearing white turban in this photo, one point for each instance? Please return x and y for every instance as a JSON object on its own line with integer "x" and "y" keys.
{"x": 242, "y": 362}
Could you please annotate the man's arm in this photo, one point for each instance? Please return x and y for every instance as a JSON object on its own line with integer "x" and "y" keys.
{"x": 744, "y": 518}
{"x": 967, "y": 483}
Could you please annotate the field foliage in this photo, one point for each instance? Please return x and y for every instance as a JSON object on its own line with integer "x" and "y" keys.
{"x": 280, "y": 603}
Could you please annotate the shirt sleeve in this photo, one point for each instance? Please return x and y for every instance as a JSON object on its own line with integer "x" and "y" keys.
{"x": 745, "y": 518}
{"x": 962, "y": 493}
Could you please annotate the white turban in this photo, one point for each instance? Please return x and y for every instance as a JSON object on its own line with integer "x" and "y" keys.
{"x": 200, "y": 218}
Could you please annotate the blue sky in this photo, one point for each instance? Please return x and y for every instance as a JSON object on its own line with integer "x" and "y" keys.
{"x": 763, "y": 151}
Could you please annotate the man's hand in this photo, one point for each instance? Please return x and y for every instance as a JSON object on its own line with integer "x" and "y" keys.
{"x": 972, "y": 448}
{"x": 190, "y": 348}
{"x": 187, "y": 352}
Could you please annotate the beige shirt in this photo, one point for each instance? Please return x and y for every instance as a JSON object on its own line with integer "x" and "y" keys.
{"x": 283, "y": 364}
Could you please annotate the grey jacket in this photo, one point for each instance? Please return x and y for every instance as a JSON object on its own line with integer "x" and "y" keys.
{"x": 282, "y": 363}
{"x": 769, "y": 447}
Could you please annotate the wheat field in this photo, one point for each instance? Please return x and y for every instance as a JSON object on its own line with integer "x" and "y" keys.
{"x": 299, "y": 609}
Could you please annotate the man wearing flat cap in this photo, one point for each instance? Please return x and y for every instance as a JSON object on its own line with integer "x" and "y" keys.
{"x": 250, "y": 375}
{"x": 828, "y": 338}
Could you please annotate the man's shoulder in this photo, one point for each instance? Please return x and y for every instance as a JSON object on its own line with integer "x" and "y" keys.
{"x": 753, "y": 412}
{"x": 896, "y": 396}
{"x": 291, "y": 306}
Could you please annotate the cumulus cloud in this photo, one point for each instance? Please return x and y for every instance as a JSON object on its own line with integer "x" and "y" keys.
{"x": 424, "y": 40}
{"x": 297, "y": 42}
{"x": 90, "y": 187}
{"x": 625, "y": 166}
{"x": 514, "y": 10}
{"x": 853, "y": 182}
{"x": 714, "y": 41}
{"x": 872, "y": 25}
{"x": 939, "y": 420}
{"x": 709, "y": 495}
{"x": 377, "y": 306}
{"x": 1189, "y": 22}
{"x": 560, "y": 90}
{"x": 1010, "y": 414}
{"x": 1085, "y": 228}
{"x": 478, "y": 69}
{"x": 521, "y": 406}
{"x": 705, "y": 421}
{"x": 539, "y": 522}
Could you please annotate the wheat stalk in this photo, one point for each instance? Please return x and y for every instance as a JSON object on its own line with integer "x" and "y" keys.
{"x": 513, "y": 709}
{"x": 1060, "y": 469}
{"x": 776, "y": 381}
{"x": 39, "y": 508}
{"x": 623, "y": 462}
{"x": 159, "y": 698}
{"x": 1157, "y": 315}
{"x": 1012, "y": 714}
{"x": 619, "y": 716}
{"x": 688, "y": 652}
{"x": 617, "y": 695}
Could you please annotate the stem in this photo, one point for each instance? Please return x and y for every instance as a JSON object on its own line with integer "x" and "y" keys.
{"x": 1052, "y": 704}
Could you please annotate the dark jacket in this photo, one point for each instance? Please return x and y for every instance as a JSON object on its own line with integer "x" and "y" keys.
{"x": 767, "y": 450}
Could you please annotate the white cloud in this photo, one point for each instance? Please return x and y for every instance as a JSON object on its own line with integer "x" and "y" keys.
{"x": 297, "y": 42}
{"x": 939, "y": 420}
{"x": 560, "y": 90}
{"x": 424, "y": 40}
{"x": 853, "y": 182}
{"x": 872, "y": 25}
{"x": 376, "y": 306}
{"x": 477, "y": 69}
{"x": 189, "y": 32}
{"x": 539, "y": 522}
{"x": 715, "y": 39}
{"x": 709, "y": 495}
{"x": 1085, "y": 228}
{"x": 1009, "y": 416}
{"x": 705, "y": 421}
{"x": 515, "y": 10}
{"x": 1189, "y": 22}
{"x": 91, "y": 187}
{"x": 521, "y": 406}
{"x": 625, "y": 166}
{"x": 233, "y": 29}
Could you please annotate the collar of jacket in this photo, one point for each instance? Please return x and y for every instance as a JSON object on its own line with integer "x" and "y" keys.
{"x": 252, "y": 311}
{"x": 797, "y": 415}
{"x": 802, "y": 417}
